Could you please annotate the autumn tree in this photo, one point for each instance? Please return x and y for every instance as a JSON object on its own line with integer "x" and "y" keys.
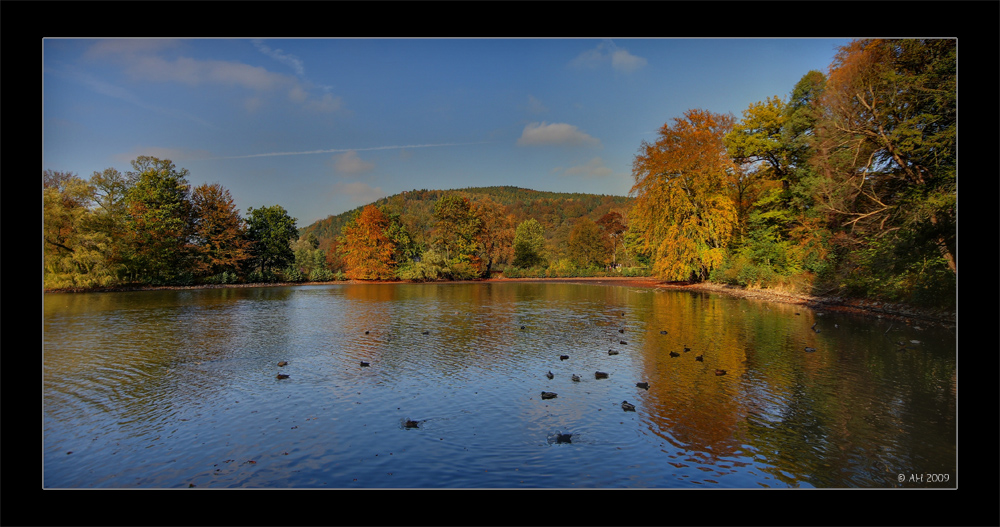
{"x": 888, "y": 145}
{"x": 683, "y": 206}
{"x": 588, "y": 246}
{"x": 496, "y": 234}
{"x": 529, "y": 244}
{"x": 367, "y": 249}
{"x": 613, "y": 225}
{"x": 219, "y": 231}
{"x": 456, "y": 229}
{"x": 158, "y": 223}
{"x": 271, "y": 231}
{"x": 73, "y": 253}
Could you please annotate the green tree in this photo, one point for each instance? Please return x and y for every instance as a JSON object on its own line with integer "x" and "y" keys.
{"x": 529, "y": 244}
{"x": 888, "y": 143}
{"x": 588, "y": 246}
{"x": 110, "y": 213}
{"x": 271, "y": 231}
{"x": 158, "y": 222}
{"x": 456, "y": 229}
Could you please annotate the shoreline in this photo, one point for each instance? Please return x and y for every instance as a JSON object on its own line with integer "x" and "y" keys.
{"x": 830, "y": 303}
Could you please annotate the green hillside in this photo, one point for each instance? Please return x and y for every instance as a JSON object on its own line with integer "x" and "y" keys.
{"x": 556, "y": 211}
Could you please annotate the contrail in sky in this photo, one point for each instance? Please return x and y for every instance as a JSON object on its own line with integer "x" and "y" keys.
{"x": 334, "y": 150}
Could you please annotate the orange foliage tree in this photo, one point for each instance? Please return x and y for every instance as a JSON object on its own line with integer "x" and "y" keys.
{"x": 683, "y": 187}
{"x": 219, "y": 231}
{"x": 367, "y": 249}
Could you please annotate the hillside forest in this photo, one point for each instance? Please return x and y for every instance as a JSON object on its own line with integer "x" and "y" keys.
{"x": 845, "y": 186}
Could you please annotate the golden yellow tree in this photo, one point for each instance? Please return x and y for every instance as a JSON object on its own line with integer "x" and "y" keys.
{"x": 684, "y": 207}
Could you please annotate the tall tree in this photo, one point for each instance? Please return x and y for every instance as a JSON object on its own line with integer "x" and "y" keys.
{"x": 220, "y": 232}
{"x": 683, "y": 206}
{"x": 888, "y": 139}
{"x": 456, "y": 229}
{"x": 271, "y": 231}
{"x": 529, "y": 244}
{"x": 496, "y": 234}
{"x": 73, "y": 254}
{"x": 613, "y": 225}
{"x": 367, "y": 249}
{"x": 587, "y": 244}
{"x": 158, "y": 224}
{"x": 111, "y": 200}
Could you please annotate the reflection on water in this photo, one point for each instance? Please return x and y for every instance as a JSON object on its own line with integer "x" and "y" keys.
{"x": 173, "y": 388}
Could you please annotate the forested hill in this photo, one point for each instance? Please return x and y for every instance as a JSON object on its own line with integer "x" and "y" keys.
{"x": 556, "y": 211}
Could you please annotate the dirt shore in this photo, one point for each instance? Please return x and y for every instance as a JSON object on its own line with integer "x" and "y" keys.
{"x": 828, "y": 303}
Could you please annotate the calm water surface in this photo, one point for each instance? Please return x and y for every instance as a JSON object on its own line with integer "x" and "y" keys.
{"x": 174, "y": 388}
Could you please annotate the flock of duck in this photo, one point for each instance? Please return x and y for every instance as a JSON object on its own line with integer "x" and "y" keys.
{"x": 562, "y": 438}
{"x": 625, "y": 405}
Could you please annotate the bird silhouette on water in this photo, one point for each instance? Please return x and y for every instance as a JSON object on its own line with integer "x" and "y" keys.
{"x": 549, "y": 395}
{"x": 600, "y": 375}
{"x": 628, "y": 407}
{"x": 549, "y": 375}
{"x": 643, "y": 385}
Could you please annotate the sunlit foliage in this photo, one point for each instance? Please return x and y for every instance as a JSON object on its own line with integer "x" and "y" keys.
{"x": 683, "y": 207}
{"x": 368, "y": 250}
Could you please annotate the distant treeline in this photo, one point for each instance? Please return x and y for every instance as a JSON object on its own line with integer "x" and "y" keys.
{"x": 847, "y": 186}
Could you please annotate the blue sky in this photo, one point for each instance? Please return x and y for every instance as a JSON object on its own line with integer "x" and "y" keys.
{"x": 321, "y": 126}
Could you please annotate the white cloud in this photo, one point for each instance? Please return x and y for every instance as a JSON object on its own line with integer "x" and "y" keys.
{"x": 359, "y": 192}
{"x": 595, "y": 168}
{"x": 289, "y": 60}
{"x": 350, "y": 163}
{"x": 624, "y": 61}
{"x": 607, "y": 52}
{"x": 142, "y": 63}
{"x": 536, "y": 134}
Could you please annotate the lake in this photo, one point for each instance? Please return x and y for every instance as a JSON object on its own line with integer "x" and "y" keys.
{"x": 174, "y": 388}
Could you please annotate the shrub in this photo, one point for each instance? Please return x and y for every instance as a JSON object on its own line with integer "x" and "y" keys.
{"x": 320, "y": 274}
{"x": 292, "y": 274}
